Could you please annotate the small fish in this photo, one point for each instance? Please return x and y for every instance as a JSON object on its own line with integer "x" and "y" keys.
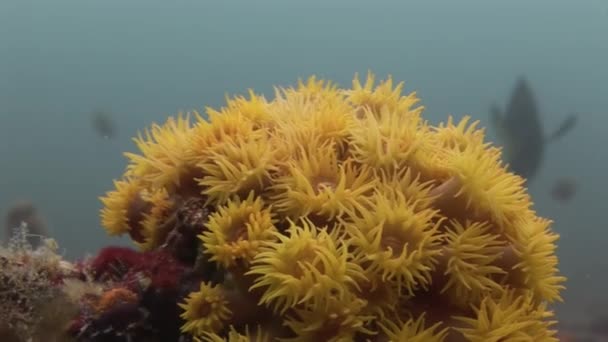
{"x": 564, "y": 189}
{"x": 520, "y": 131}
{"x": 103, "y": 124}
{"x": 564, "y": 128}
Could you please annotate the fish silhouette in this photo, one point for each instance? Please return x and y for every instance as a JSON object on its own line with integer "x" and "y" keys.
{"x": 103, "y": 124}
{"x": 520, "y": 131}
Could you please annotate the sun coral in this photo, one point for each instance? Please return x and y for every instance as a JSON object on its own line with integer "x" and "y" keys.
{"x": 314, "y": 110}
{"x": 255, "y": 108}
{"x": 237, "y": 166}
{"x": 236, "y": 232}
{"x": 153, "y": 232}
{"x": 414, "y": 330}
{"x": 317, "y": 185}
{"x": 384, "y": 95}
{"x": 221, "y": 126}
{"x": 397, "y": 241}
{"x": 387, "y": 139}
{"x": 123, "y": 209}
{"x": 339, "y": 318}
{"x": 163, "y": 160}
{"x": 235, "y": 336}
{"x": 307, "y": 266}
{"x": 472, "y": 253}
{"x": 509, "y": 317}
{"x": 330, "y": 214}
{"x": 205, "y": 310}
{"x": 534, "y": 245}
{"x": 459, "y": 136}
{"x": 488, "y": 192}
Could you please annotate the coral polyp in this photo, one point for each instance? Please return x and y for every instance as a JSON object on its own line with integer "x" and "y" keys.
{"x": 237, "y": 166}
{"x": 339, "y": 318}
{"x": 307, "y": 266}
{"x": 383, "y": 95}
{"x": 323, "y": 214}
{"x": 397, "y": 242}
{"x": 508, "y": 317}
{"x": 205, "y": 310}
{"x": 459, "y": 136}
{"x": 236, "y": 233}
{"x": 162, "y": 161}
{"x": 235, "y": 336}
{"x": 487, "y": 189}
{"x": 316, "y": 184}
{"x": 534, "y": 246}
{"x": 414, "y": 330}
{"x": 122, "y": 212}
{"x": 472, "y": 252}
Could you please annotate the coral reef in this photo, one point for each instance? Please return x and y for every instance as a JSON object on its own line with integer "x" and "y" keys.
{"x": 339, "y": 215}
{"x": 324, "y": 214}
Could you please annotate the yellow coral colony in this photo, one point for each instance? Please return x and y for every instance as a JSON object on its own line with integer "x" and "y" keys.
{"x": 342, "y": 215}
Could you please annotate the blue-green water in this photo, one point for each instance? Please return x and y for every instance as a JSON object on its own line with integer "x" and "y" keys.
{"x": 145, "y": 60}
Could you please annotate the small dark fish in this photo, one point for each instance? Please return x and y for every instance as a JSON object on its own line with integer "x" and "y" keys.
{"x": 103, "y": 124}
{"x": 25, "y": 212}
{"x": 564, "y": 189}
{"x": 520, "y": 131}
{"x": 564, "y": 128}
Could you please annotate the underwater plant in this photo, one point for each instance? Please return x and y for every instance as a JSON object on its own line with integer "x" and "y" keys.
{"x": 324, "y": 214}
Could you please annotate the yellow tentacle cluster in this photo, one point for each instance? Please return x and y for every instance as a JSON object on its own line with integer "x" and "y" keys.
{"x": 329, "y": 214}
